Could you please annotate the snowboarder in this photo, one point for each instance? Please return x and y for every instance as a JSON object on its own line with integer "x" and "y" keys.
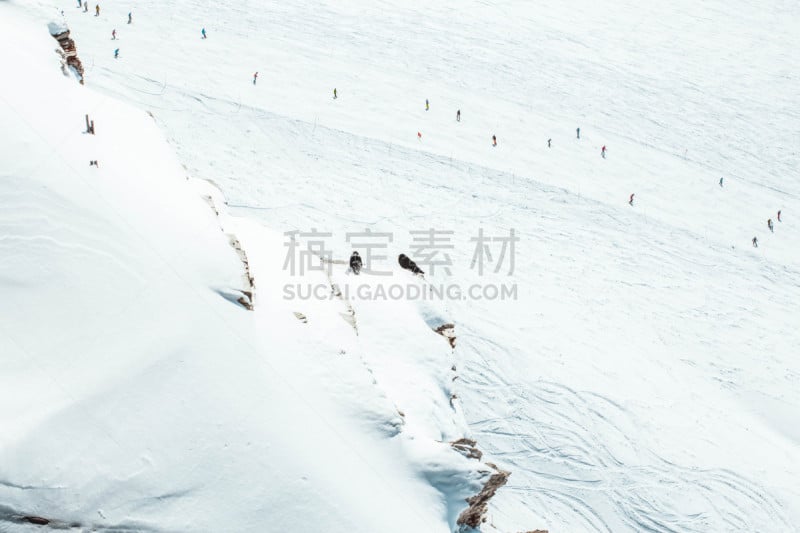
{"x": 578, "y": 131}
{"x": 116, "y": 53}
{"x": 755, "y": 242}
{"x": 426, "y": 105}
{"x": 113, "y": 35}
{"x": 494, "y": 140}
{"x": 255, "y": 77}
{"x": 355, "y": 263}
{"x": 630, "y": 202}
{"x": 203, "y": 31}
{"x": 458, "y": 116}
{"x": 97, "y": 10}
{"x": 130, "y": 19}
{"x": 720, "y": 182}
{"x": 779, "y": 215}
{"x": 603, "y": 151}
{"x": 335, "y": 96}
{"x": 419, "y": 136}
{"x": 770, "y": 226}
{"x": 548, "y": 142}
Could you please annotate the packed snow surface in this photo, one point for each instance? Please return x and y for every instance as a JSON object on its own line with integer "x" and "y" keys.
{"x": 645, "y": 378}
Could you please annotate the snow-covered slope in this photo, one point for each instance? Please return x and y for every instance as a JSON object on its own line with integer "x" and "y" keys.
{"x": 644, "y": 380}
{"x": 137, "y": 394}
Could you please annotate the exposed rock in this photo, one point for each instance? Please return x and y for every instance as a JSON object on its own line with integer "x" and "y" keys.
{"x": 68, "y": 51}
{"x": 467, "y": 448}
{"x": 472, "y": 516}
{"x": 38, "y": 520}
{"x": 448, "y": 331}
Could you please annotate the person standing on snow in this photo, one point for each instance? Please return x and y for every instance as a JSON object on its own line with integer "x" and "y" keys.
{"x": 203, "y": 31}
{"x": 770, "y": 226}
{"x": 603, "y": 151}
{"x": 426, "y": 105}
{"x": 255, "y": 77}
{"x": 116, "y": 53}
{"x": 419, "y": 136}
{"x": 113, "y": 35}
{"x": 458, "y": 116}
{"x": 97, "y": 10}
{"x": 755, "y": 242}
{"x": 79, "y": 4}
{"x": 130, "y": 19}
{"x": 779, "y": 215}
{"x": 494, "y": 140}
{"x": 630, "y": 202}
{"x": 578, "y": 131}
{"x": 86, "y": 7}
{"x": 720, "y": 182}
{"x": 548, "y": 142}
{"x": 355, "y": 263}
{"x": 335, "y": 96}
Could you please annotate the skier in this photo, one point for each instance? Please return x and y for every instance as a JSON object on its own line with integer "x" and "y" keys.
{"x": 458, "y": 116}
{"x": 86, "y": 7}
{"x": 426, "y": 105}
{"x": 779, "y": 215}
{"x": 578, "y": 131}
{"x": 255, "y": 77}
{"x": 97, "y": 10}
{"x": 494, "y": 140}
{"x": 770, "y": 226}
{"x": 419, "y": 136}
{"x": 720, "y": 182}
{"x": 79, "y": 4}
{"x": 548, "y": 142}
{"x": 630, "y": 202}
{"x": 116, "y": 53}
{"x": 113, "y": 35}
{"x": 355, "y": 263}
{"x": 130, "y": 19}
{"x": 203, "y": 31}
{"x": 603, "y": 151}
{"x": 408, "y": 264}
{"x": 755, "y": 242}
{"x": 334, "y": 94}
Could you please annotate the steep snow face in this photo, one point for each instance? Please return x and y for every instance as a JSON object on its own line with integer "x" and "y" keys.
{"x": 645, "y": 378}
{"x": 136, "y": 394}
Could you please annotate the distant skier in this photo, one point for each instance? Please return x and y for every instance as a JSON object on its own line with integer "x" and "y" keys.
{"x": 779, "y": 215}
{"x": 79, "y": 4}
{"x": 494, "y": 140}
{"x": 130, "y": 18}
{"x": 255, "y": 77}
{"x": 720, "y": 182}
{"x": 203, "y": 31}
{"x": 408, "y": 264}
{"x": 548, "y": 142}
{"x": 419, "y": 136}
{"x": 578, "y": 131}
{"x": 755, "y": 242}
{"x": 355, "y": 263}
{"x": 458, "y": 116}
{"x": 116, "y": 53}
{"x": 603, "y": 151}
{"x": 97, "y": 10}
{"x": 335, "y": 96}
{"x": 427, "y": 106}
{"x": 113, "y": 35}
{"x": 770, "y": 225}
{"x": 86, "y": 7}
{"x": 630, "y": 202}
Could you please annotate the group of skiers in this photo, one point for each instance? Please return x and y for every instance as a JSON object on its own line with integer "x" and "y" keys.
{"x": 770, "y": 226}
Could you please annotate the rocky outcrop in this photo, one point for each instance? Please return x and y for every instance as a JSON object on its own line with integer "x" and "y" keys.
{"x": 473, "y": 515}
{"x": 68, "y": 51}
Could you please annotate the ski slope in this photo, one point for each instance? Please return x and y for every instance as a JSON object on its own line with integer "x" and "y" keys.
{"x": 645, "y": 379}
